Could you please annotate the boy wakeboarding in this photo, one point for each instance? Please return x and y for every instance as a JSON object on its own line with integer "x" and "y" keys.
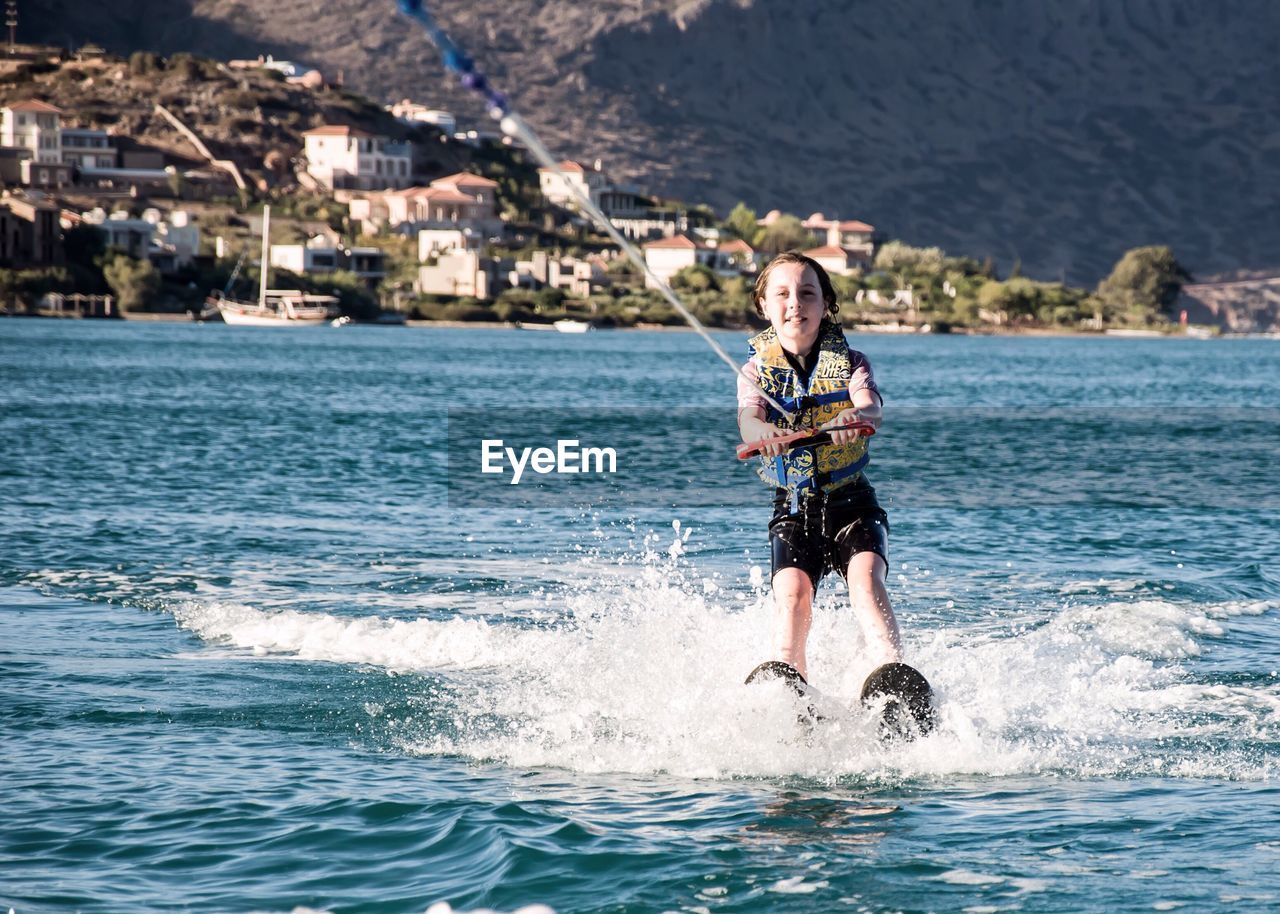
{"x": 825, "y": 513}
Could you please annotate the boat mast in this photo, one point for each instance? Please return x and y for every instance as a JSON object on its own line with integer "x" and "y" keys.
{"x": 266, "y": 252}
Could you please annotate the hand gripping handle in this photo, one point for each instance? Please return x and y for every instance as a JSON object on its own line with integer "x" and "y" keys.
{"x": 803, "y": 438}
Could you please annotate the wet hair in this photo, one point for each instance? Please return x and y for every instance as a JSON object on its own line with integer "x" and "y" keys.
{"x": 824, "y": 281}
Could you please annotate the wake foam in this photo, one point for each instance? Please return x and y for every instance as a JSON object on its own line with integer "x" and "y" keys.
{"x": 644, "y": 674}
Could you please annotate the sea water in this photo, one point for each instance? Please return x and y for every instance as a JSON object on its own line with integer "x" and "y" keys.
{"x": 268, "y": 640}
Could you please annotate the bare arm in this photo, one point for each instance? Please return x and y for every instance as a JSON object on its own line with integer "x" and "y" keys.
{"x": 866, "y": 407}
{"x": 753, "y": 427}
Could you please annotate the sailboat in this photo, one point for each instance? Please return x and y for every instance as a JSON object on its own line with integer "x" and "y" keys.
{"x": 274, "y": 307}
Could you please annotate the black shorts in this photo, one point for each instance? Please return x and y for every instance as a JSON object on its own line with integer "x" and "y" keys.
{"x": 827, "y": 531}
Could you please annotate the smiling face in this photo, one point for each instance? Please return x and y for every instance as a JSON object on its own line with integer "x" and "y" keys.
{"x": 793, "y": 303}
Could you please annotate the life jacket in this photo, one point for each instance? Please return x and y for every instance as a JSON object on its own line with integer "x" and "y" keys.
{"x": 824, "y": 467}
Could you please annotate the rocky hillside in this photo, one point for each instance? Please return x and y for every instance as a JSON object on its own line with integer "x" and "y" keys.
{"x": 1057, "y": 133}
{"x": 250, "y": 117}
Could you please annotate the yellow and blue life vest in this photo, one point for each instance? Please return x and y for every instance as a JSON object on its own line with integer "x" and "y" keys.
{"x": 825, "y": 467}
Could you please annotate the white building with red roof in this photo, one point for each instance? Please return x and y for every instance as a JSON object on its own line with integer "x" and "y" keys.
{"x": 631, "y": 212}
{"x": 461, "y": 201}
{"x": 856, "y": 237}
{"x": 33, "y": 125}
{"x": 835, "y": 259}
{"x": 558, "y": 187}
{"x": 669, "y": 256}
{"x": 735, "y": 257}
{"x": 348, "y": 158}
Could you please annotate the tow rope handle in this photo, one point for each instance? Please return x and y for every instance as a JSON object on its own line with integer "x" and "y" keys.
{"x": 803, "y": 438}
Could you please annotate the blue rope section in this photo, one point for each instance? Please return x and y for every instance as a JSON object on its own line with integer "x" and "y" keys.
{"x": 455, "y": 58}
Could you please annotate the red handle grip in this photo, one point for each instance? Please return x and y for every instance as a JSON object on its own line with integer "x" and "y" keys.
{"x": 803, "y": 438}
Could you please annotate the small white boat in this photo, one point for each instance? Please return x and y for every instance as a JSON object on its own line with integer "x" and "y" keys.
{"x": 571, "y": 326}
{"x": 274, "y": 307}
{"x": 340, "y": 321}
{"x": 279, "y": 308}
{"x": 1134, "y": 334}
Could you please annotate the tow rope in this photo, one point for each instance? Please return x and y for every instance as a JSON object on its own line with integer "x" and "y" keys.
{"x": 511, "y": 124}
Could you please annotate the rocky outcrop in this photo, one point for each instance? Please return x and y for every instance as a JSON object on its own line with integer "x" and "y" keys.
{"x": 1242, "y": 306}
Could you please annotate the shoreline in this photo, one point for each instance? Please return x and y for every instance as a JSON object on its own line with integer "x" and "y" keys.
{"x": 860, "y": 330}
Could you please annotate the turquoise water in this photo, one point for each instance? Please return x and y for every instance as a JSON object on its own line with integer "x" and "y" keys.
{"x": 267, "y": 640}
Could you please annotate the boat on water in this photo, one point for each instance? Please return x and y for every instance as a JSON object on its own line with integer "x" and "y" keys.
{"x": 1134, "y": 334}
{"x": 279, "y": 308}
{"x": 571, "y": 326}
{"x": 274, "y": 307}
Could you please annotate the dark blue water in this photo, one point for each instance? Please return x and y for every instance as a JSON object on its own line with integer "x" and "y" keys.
{"x": 268, "y": 641}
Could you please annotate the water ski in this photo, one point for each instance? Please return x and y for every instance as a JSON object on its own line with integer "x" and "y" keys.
{"x": 777, "y": 669}
{"x": 908, "y": 701}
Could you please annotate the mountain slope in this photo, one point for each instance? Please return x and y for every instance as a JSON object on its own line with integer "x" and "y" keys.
{"x": 1058, "y": 134}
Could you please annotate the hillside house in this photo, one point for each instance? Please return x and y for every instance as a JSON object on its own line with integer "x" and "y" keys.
{"x": 459, "y": 273}
{"x": 669, "y": 256}
{"x": 19, "y": 168}
{"x": 88, "y": 150}
{"x": 411, "y": 113}
{"x": 434, "y": 241}
{"x": 122, "y": 232}
{"x": 369, "y": 263}
{"x": 30, "y": 233}
{"x": 348, "y": 158}
{"x": 458, "y": 201}
{"x": 293, "y": 72}
{"x": 12, "y": 161}
{"x": 318, "y": 255}
{"x": 631, "y": 212}
{"x": 733, "y": 258}
{"x": 175, "y": 239}
{"x": 321, "y": 255}
{"x": 558, "y": 189}
{"x": 835, "y": 260}
{"x": 857, "y": 238}
{"x": 646, "y": 221}
{"x": 578, "y": 277}
{"x": 33, "y": 125}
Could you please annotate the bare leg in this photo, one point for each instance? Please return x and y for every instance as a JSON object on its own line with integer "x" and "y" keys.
{"x": 871, "y": 605}
{"x": 793, "y": 604}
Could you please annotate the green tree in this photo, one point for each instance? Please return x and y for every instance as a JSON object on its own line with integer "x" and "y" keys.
{"x": 743, "y": 224}
{"x": 621, "y": 267}
{"x": 784, "y": 234}
{"x": 1144, "y": 282}
{"x": 847, "y": 287}
{"x": 549, "y": 299}
{"x": 1014, "y": 298}
{"x": 905, "y": 263}
{"x": 695, "y": 278}
{"x": 9, "y": 286}
{"x": 133, "y": 281}
{"x": 355, "y": 298}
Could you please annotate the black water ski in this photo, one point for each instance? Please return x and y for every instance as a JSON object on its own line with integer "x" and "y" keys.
{"x": 777, "y": 669}
{"x": 908, "y": 701}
